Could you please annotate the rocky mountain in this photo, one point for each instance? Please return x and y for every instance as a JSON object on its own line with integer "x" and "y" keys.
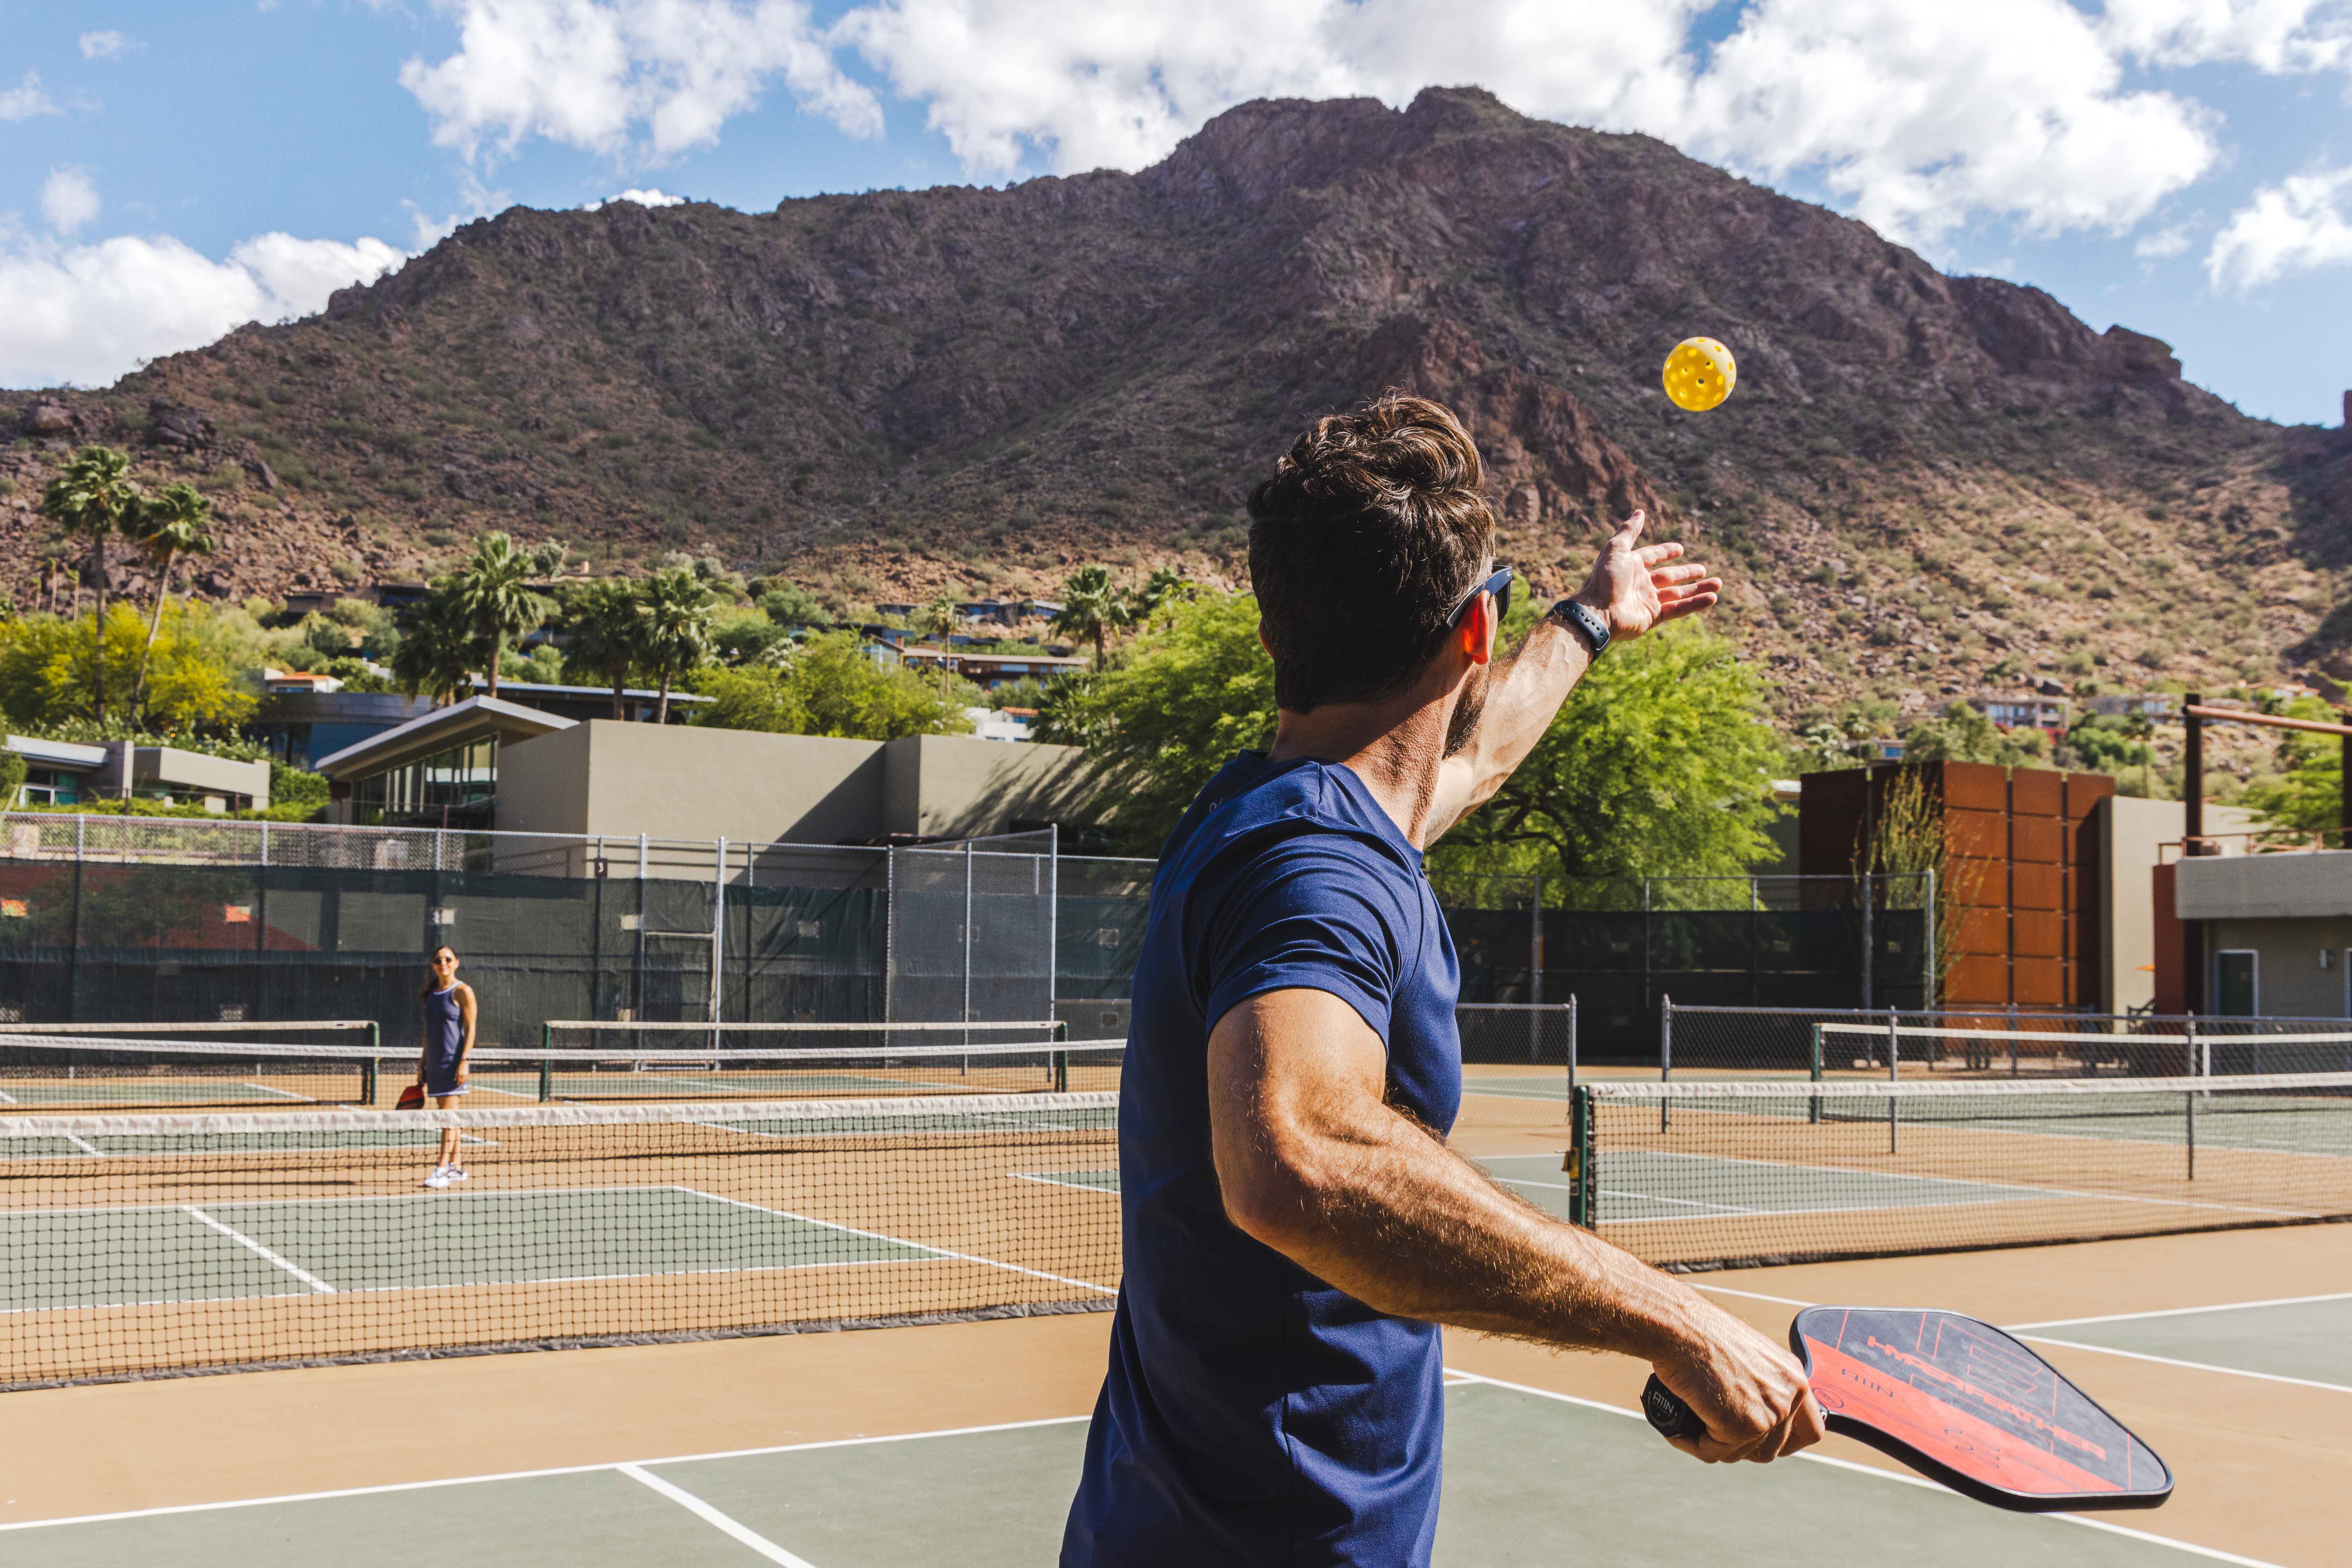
{"x": 1924, "y": 484}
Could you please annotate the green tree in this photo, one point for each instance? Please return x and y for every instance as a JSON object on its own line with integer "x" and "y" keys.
{"x": 192, "y": 684}
{"x": 831, "y": 687}
{"x": 1186, "y": 698}
{"x": 438, "y": 650}
{"x": 1660, "y": 764}
{"x": 11, "y": 779}
{"x": 790, "y": 606}
{"x": 1164, "y": 588}
{"x": 171, "y": 522}
{"x": 1092, "y": 608}
{"x": 91, "y": 497}
{"x": 2306, "y": 793}
{"x": 606, "y": 634}
{"x": 488, "y": 593}
{"x": 1962, "y": 735}
{"x": 675, "y": 628}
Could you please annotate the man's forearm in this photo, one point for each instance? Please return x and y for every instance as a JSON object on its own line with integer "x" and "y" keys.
{"x": 1369, "y": 1201}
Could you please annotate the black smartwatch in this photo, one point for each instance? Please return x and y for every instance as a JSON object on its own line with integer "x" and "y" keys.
{"x": 1595, "y": 629}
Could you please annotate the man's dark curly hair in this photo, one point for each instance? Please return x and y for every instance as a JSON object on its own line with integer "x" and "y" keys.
{"x": 1373, "y": 526}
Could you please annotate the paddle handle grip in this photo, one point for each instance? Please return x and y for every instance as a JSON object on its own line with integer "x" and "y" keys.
{"x": 1668, "y": 1414}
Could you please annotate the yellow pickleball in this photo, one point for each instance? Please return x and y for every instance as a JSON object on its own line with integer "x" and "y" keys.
{"x": 1700, "y": 374}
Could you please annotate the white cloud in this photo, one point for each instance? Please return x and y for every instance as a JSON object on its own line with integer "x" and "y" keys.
{"x": 88, "y": 314}
{"x": 102, "y": 45}
{"x": 646, "y": 77}
{"x": 2300, "y": 224}
{"x": 68, "y": 200}
{"x": 25, "y": 99}
{"x": 2274, "y": 35}
{"x": 2165, "y": 242}
{"x": 1919, "y": 116}
{"x": 643, "y": 199}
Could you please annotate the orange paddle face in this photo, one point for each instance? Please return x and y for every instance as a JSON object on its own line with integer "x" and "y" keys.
{"x": 1963, "y": 1402}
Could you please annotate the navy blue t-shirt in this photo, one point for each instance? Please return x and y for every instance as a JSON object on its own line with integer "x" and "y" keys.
{"x": 1252, "y": 1414}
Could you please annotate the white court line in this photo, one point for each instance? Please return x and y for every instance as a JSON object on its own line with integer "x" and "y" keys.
{"x": 287, "y": 1093}
{"x": 709, "y": 1515}
{"x": 2185, "y": 1311}
{"x": 8, "y": 1100}
{"x": 534, "y": 1475}
{"x": 2019, "y": 1330}
{"x": 2211, "y": 1554}
{"x": 304, "y": 1275}
{"x": 901, "y": 1241}
{"x": 1044, "y": 1179}
{"x": 2191, "y": 1365}
{"x": 84, "y": 1145}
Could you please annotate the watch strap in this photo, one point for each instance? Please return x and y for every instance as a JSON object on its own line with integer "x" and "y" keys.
{"x": 1595, "y": 630}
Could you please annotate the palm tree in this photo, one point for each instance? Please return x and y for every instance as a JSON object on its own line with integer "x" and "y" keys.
{"x": 1164, "y": 587}
{"x": 488, "y": 593}
{"x": 437, "y": 648}
{"x": 607, "y": 635}
{"x": 91, "y": 497}
{"x": 674, "y": 627}
{"x": 173, "y": 521}
{"x": 1092, "y": 608}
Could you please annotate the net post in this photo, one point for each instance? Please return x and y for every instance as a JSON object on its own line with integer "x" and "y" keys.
{"x": 367, "y": 1083}
{"x": 1813, "y": 1106}
{"x": 1665, "y": 1031}
{"x": 1579, "y": 1157}
{"x": 546, "y": 1063}
{"x": 1571, "y": 1045}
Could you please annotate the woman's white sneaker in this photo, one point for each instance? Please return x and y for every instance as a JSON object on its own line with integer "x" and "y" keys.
{"x": 439, "y": 1178}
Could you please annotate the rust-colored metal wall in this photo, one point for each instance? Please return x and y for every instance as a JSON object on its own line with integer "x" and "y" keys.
{"x": 2019, "y": 871}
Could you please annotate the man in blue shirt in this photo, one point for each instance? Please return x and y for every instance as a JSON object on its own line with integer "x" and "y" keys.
{"x": 1296, "y": 1227}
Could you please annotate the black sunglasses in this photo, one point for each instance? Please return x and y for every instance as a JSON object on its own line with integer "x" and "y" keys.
{"x": 1500, "y": 585}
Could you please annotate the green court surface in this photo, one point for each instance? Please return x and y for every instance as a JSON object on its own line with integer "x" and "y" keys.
{"x": 1640, "y": 1184}
{"x": 1530, "y": 1478}
{"x": 212, "y": 1251}
{"x": 177, "y": 1146}
{"x": 2305, "y": 1339}
{"x": 1525, "y": 1088}
{"x": 132, "y": 1093}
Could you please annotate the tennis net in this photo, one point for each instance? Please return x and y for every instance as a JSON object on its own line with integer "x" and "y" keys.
{"x": 40, "y": 1072}
{"x": 47, "y": 1067}
{"x": 144, "y": 1246}
{"x": 1695, "y": 1175}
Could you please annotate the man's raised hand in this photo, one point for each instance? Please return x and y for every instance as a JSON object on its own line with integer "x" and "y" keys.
{"x": 1632, "y": 588}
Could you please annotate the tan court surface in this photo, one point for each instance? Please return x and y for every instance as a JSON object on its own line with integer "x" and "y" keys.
{"x": 2231, "y": 1353}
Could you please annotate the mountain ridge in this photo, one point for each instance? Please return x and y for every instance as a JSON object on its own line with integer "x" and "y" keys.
{"x": 1922, "y": 485}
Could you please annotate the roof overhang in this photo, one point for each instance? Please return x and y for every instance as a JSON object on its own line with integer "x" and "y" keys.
{"x": 57, "y": 754}
{"x": 459, "y": 724}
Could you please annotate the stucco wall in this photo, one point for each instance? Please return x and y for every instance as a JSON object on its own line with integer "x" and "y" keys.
{"x": 2266, "y": 887}
{"x": 2130, "y": 834}
{"x": 687, "y": 782}
{"x": 2288, "y": 979}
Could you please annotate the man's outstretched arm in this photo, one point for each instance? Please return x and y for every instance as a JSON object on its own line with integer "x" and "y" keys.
{"x": 1634, "y": 588}
{"x": 1313, "y": 1163}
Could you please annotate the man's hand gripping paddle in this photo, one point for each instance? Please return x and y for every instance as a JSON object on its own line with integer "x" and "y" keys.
{"x": 1963, "y": 1403}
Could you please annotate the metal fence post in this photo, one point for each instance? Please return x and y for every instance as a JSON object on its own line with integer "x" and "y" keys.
{"x": 1534, "y": 973}
{"x": 1053, "y": 918}
{"x": 1869, "y": 948}
{"x": 718, "y": 937}
{"x": 1928, "y": 988}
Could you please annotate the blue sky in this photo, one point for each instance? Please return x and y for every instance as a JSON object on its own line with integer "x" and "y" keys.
{"x": 167, "y": 171}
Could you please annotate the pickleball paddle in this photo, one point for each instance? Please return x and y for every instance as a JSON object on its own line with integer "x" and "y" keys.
{"x": 412, "y": 1098}
{"x": 1960, "y": 1401}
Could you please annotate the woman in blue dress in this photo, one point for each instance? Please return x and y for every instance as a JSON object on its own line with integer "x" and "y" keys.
{"x": 449, "y": 1015}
